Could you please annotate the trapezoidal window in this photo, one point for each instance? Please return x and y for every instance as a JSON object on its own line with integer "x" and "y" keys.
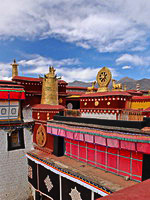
{"x": 16, "y": 140}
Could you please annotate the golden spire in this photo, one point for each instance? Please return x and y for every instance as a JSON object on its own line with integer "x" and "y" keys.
{"x": 14, "y": 69}
{"x": 50, "y": 88}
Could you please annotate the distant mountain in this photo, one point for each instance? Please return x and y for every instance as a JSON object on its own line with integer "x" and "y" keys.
{"x": 129, "y": 82}
{"x": 80, "y": 84}
{"x": 126, "y": 79}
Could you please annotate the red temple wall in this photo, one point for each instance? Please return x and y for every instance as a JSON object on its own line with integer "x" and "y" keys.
{"x": 105, "y": 103}
{"x": 32, "y": 100}
{"x": 119, "y": 161}
{"x": 43, "y": 115}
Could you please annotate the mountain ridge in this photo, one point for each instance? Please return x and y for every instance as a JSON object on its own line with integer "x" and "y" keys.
{"x": 131, "y": 83}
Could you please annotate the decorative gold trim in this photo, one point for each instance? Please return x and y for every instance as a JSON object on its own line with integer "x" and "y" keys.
{"x": 85, "y": 103}
{"x": 96, "y": 103}
{"x": 60, "y": 100}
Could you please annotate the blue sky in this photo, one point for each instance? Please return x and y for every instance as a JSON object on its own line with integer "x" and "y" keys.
{"x": 77, "y": 37}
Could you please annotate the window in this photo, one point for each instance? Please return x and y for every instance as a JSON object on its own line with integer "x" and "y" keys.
{"x": 16, "y": 140}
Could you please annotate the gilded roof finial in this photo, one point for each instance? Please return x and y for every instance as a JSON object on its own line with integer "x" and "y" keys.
{"x": 14, "y": 69}
{"x": 50, "y": 88}
{"x": 52, "y": 70}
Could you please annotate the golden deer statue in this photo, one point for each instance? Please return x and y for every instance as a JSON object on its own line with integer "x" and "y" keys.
{"x": 116, "y": 85}
{"x": 91, "y": 89}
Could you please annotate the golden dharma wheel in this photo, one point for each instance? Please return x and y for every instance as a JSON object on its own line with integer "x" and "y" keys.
{"x": 41, "y": 136}
{"x": 103, "y": 79}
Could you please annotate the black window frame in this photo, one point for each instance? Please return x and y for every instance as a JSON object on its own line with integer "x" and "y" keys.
{"x": 21, "y": 144}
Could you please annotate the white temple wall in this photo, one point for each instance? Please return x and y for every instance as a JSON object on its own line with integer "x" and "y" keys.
{"x": 99, "y": 115}
{"x": 13, "y": 169}
{"x": 27, "y": 114}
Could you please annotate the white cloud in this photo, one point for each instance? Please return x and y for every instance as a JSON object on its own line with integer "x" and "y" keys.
{"x": 70, "y": 74}
{"x": 136, "y": 60}
{"x": 36, "y": 65}
{"x": 83, "y": 44}
{"x": 41, "y": 61}
{"x": 126, "y": 67}
{"x": 81, "y": 74}
{"x": 5, "y": 71}
{"x": 133, "y": 59}
{"x": 105, "y": 25}
{"x": 68, "y": 69}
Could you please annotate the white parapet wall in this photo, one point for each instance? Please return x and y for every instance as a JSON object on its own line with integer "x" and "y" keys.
{"x": 99, "y": 115}
{"x": 13, "y": 168}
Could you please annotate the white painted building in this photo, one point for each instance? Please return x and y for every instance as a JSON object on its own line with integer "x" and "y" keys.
{"x": 15, "y": 141}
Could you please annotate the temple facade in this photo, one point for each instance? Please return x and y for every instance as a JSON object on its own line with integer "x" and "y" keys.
{"x": 87, "y": 143}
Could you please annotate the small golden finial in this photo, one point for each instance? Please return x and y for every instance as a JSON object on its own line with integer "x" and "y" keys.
{"x": 125, "y": 87}
{"x": 14, "y": 68}
{"x": 52, "y": 70}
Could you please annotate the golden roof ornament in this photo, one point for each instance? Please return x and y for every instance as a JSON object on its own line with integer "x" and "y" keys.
{"x": 91, "y": 89}
{"x": 103, "y": 79}
{"x": 51, "y": 73}
{"x": 14, "y": 69}
{"x": 116, "y": 86}
{"x": 50, "y": 88}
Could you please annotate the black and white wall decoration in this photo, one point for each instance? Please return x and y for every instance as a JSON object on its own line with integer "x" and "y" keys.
{"x": 32, "y": 173}
{"x": 74, "y": 191}
{"x": 59, "y": 185}
{"x": 75, "y": 194}
{"x": 49, "y": 183}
